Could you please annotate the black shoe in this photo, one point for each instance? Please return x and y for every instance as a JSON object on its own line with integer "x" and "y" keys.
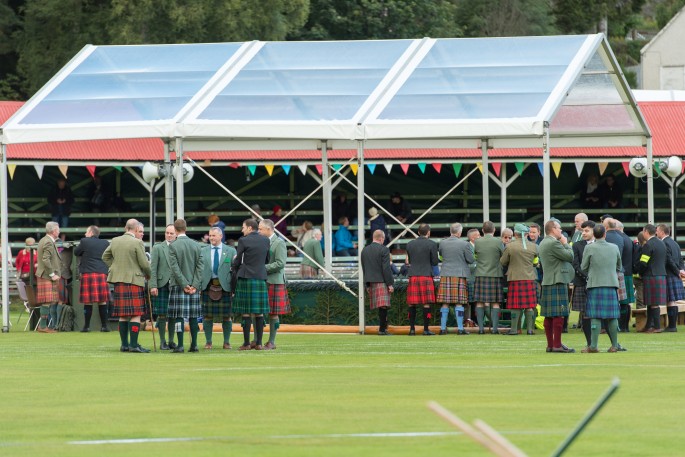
{"x": 530, "y": 332}
{"x": 85, "y": 330}
{"x": 193, "y": 349}
{"x": 564, "y": 349}
{"x": 384, "y": 333}
{"x": 412, "y": 332}
{"x": 671, "y": 329}
{"x": 164, "y": 347}
{"x": 124, "y": 349}
{"x": 172, "y": 345}
{"x": 443, "y": 332}
{"x": 178, "y": 349}
{"x": 494, "y": 332}
{"x": 481, "y": 332}
{"x": 428, "y": 333}
{"x": 139, "y": 349}
{"x": 512, "y": 333}
{"x": 462, "y": 332}
{"x": 104, "y": 329}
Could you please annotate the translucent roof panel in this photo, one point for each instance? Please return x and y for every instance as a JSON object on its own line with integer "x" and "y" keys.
{"x": 484, "y": 78}
{"x": 131, "y": 83}
{"x": 306, "y": 81}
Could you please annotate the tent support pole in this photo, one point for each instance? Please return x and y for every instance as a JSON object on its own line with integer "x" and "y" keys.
{"x": 360, "y": 233}
{"x": 5, "y": 251}
{"x": 503, "y": 196}
{"x": 168, "y": 185}
{"x": 650, "y": 182}
{"x": 486, "y": 180}
{"x": 327, "y": 216}
{"x": 546, "y": 196}
{"x": 180, "y": 213}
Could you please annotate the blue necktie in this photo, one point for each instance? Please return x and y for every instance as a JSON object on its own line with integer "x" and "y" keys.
{"x": 215, "y": 265}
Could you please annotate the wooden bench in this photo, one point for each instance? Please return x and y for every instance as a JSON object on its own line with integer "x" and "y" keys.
{"x": 640, "y": 315}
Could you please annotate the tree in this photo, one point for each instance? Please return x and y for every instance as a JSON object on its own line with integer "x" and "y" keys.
{"x": 505, "y": 17}
{"x": 9, "y": 24}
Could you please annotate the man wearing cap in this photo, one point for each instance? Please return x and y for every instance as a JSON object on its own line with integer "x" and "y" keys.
{"x": 675, "y": 271}
{"x": 378, "y": 278}
{"x": 556, "y": 256}
{"x": 159, "y": 287}
{"x": 279, "y": 302}
{"x": 488, "y": 285}
{"x": 48, "y": 273}
{"x": 579, "y": 297}
{"x": 457, "y": 258}
{"x": 652, "y": 269}
{"x": 519, "y": 258}
{"x": 400, "y": 208}
{"x": 422, "y": 255}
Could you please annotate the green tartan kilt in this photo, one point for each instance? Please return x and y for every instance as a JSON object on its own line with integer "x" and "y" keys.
{"x": 251, "y": 297}
{"x": 160, "y": 303}
{"x": 216, "y": 309}
{"x": 602, "y": 303}
{"x": 554, "y": 301}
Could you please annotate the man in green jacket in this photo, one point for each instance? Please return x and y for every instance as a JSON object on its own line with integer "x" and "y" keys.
{"x": 488, "y": 286}
{"x": 279, "y": 303}
{"x": 48, "y": 274}
{"x": 216, "y": 286}
{"x": 159, "y": 287}
{"x": 312, "y": 247}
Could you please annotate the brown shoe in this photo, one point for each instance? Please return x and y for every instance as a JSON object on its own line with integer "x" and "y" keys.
{"x": 208, "y": 346}
{"x": 612, "y": 349}
{"x": 269, "y": 346}
{"x": 227, "y": 346}
{"x": 244, "y": 347}
{"x": 657, "y": 330}
{"x": 259, "y": 347}
{"x": 253, "y": 344}
{"x": 589, "y": 350}
{"x": 46, "y": 330}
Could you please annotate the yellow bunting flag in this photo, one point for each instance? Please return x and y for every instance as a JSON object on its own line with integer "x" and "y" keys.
{"x": 354, "y": 168}
{"x": 10, "y": 168}
{"x": 556, "y": 166}
{"x": 63, "y": 169}
{"x": 269, "y": 169}
{"x": 602, "y": 167}
{"x": 480, "y": 167}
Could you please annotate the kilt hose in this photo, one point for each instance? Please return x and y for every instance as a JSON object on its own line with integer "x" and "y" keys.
{"x": 251, "y": 297}
{"x": 488, "y": 290}
{"x": 622, "y": 292}
{"x": 602, "y": 303}
{"x": 378, "y": 295}
{"x": 129, "y": 300}
{"x": 63, "y": 291}
{"x": 308, "y": 272}
{"x": 630, "y": 290}
{"x": 218, "y": 309}
{"x": 279, "y": 302}
{"x": 46, "y": 291}
{"x": 453, "y": 290}
{"x": 522, "y": 294}
{"x": 554, "y": 301}
{"x": 654, "y": 290}
{"x": 94, "y": 288}
{"x": 421, "y": 290}
{"x": 579, "y": 299}
{"x": 674, "y": 288}
{"x": 182, "y": 304}
{"x": 160, "y": 303}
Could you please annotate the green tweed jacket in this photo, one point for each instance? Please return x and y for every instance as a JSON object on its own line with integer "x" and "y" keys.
{"x": 278, "y": 254}
{"x": 520, "y": 261}
{"x": 313, "y": 249}
{"x": 48, "y": 258}
{"x": 601, "y": 262}
{"x": 555, "y": 259}
{"x": 227, "y": 254}
{"x": 186, "y": 263}
{"x": 488, "y": 251}
{"x": 125, "y": 257}
{"x": 161, "y": 273}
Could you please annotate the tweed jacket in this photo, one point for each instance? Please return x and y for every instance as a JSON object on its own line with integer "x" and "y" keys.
{"x": 601, "y": 261}
{"x": 252, "y": 256}
{"x": 312, "y": 247}
{"x": 225, "y": 258}
{"x": 90, "y": 251}
{"x": 422, "y": 254}
{"x": 278, "y": 254}
{"x": 161, "y": 272}
{"x": 376, "y": 264}
{"x": 488, "y": 250}
{"x": 555, "y": 259}
{"x": 580, "y": 280}
{"x": 125, "y": 257}
{"x": 48, "y": 258}
{"x": 519, "y": 261}
{"x": 186, "y": 263}
{"x": 457, "y": 257}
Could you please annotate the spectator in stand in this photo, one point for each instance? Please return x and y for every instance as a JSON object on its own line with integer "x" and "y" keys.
{"x": 312, "y": 248}
{"x": 303, "y": 234}
{"x": 23, "y": 260}
{"x": 257, "y": 210}
{"x": 280, "y": 223}
{"x": 214, "y": 221}
{"x": 399, "y": 208}
{"x": 590, "y": 193}
{"x": 377, "y": 222}
{"x": 99, "y": 198}
{"x": 340, "y": 207}
{"x": 345, "y": 243}
{"x": 612, "y": 193}
{"x": 60, "y": 200}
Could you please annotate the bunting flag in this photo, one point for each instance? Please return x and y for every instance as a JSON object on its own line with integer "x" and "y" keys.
{"x": 656, "y": 168}
{"x": 556, "y": 166}
{"x": 422, "y": 167}
{"x": 602, "y": 167}
{"x": 626, "y": 167}
{"x": 234, "y": 165}
{"x": 437, "y": 167}
{"x": 355, "y": 168}
{"x": 303, "y": 169}
{"x": 404, "y": 167}
{"x": 519, "y": 167}
{"x": 63, "y": 169}
{"x": 39, "y": 170}
{"x": 579, "y": 167}
{"x": 497, "y": 167}
{"x": 541, "y": 168}
{"x": 372, "y": 167}
{"x": 480, "y": 167}
{"x": 319, "y": 168}
{"x": 683, "y": 170}
{"x": 206, "y": 163}
{"x": 118, "y": 168}
{"x": 336, "y": 166}
{"x": 457, "y": 169}
{"x": 252, "y": 168}
{"x": 10, "y": 168}
{"x": 91, "y": 170}
{"x": 388, "y": 167}
{"x": 286, "y": 168}
{"x": 269, "y": 169}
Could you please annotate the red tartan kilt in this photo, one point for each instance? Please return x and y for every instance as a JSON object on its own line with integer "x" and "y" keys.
{"x": 94, "y": 288}
{"x": 522, "y": 295}
{"x": 421, "y": 290}
{"x": 46, "y": 291}
{"x": 129, "y": 300}
{"x": 279, "y": 303}
{"x": 378, "y": 295}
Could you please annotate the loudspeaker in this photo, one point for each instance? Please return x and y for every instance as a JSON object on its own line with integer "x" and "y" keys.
{"x": 672, "y": 166}
{"x": 151, "y": 171}
{"x": 638, "y": 167}
{"x": 188, "y": 172}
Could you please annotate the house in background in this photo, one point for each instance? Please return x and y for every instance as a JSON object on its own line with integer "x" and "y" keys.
{"x": 663, "y": 58}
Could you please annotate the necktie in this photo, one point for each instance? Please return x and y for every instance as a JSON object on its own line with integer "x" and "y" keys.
{"x": 215, "y": 265}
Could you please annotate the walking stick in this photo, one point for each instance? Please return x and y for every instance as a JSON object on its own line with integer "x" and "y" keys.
{"x": 152, "y": 325}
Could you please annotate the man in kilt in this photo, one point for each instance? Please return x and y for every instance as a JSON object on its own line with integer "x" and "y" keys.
{"x": 312, "y": 247}
{"x": 488, "y": 286}
{"x": 556, "y": 256}
{"x": 251, "y": 295}
{"x": 279, "y": 303}
{"x": 613, "y": 235}
{"x": 422, "y": 256}
{"x": 627, "y": 260}
{"x": 186, "y": 264}
{"x": 159, "y": 287}
{"x": 216, "y": 287}
{"x": 579, "y": 296}
{"x": 675, "y": 271}
{"x": 601, "y": 263}
{"x": 472, "y": 235}
{"x": 519, "y": 258}
{"x": 128, "y": 268}
{"x": 93, "y": 271}
{"x": 457, "y": 258}
{"x": 652, "y": 269}
{"x": 378, "y": 278}
{"x": 48, "y": 273}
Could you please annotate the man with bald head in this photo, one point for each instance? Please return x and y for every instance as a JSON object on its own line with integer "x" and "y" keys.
{"x": 378, "y": 278}
{"x": 578, "y": 221}
{"x": 627, "y": 258}
{"x": 159, "y": 287}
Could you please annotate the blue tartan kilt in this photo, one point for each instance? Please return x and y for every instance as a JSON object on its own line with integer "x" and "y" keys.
{"x": 251, "y": 297}
{"x": 182, "y": 304}
{"x": 602, "y": 303}
{"x": 630, "y": 290}
{"x": 579, "y": 299}
{"x": 160, "y": 303}
{"x": 554, "y": 301}
{"x": 674, "y": 288}
{"x": 216, "y": 309}
{"x": 654, "y": 290}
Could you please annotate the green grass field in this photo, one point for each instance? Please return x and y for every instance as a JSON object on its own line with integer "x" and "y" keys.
{"x": 74, "y": 394}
